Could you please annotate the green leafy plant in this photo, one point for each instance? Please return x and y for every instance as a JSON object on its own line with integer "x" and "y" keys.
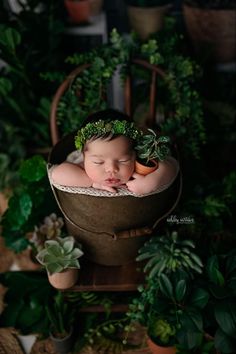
{"x": 59, "y": 254}
{"x": 168, "y": 254}
{"x": 88, "y": 91}
{"x": 152, "y": 147}
{"x": 27, "y": 206}
{"x": 220, "y": 312}
{"x": 11, "y": 154}
{"x": 61, "y": 315}
{"x": 24, "y": 117}
{"x": 28, "y": 293}
{"x": 106, "y": 332}
{"x": 171, "y": 302}
{"x": 211, "y": 204}
{"x": 172, "y": 309}
{"x": 163, "y": 330}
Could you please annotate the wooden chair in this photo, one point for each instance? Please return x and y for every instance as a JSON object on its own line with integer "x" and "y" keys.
{"x": 155, "y": 71}
{"x": 96, "y": 277}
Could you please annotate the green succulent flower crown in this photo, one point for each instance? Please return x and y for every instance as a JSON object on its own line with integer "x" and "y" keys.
{"x": 101, "y": 128}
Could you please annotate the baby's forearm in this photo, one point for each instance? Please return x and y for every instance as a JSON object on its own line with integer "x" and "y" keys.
{"x": 71, "y": 175}
{"x": 164, "y": 175}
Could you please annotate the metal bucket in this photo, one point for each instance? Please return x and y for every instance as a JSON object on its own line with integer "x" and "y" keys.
{"x": 111, "y": 229}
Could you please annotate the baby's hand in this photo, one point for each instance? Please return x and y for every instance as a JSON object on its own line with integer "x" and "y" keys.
{"x": 137, "y": 185}
{"x": 105, "y": 188}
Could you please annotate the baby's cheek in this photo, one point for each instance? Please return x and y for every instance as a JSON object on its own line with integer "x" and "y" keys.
{"x": 128, "y": 174}
{"x": 92, "y": 172}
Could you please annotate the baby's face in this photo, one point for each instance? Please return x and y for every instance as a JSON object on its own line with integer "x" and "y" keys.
{"x": 109, "y": 162}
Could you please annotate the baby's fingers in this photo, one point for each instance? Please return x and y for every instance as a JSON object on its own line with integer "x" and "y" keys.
{"x": 110, "y": 189}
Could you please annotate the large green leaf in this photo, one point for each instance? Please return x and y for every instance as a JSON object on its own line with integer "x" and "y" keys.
{"x": 30, "y": 313}
{"x": 19, "y": 210}
{"x": 5, "y": 86}
{"x": 180, "y": 290}
{"x": 10, "y": 314}
{"x": 213, "y": 271}
{"x": 27, "y": 293}
{"x": 225, "y": 314}
{"x": 231, "y": 264}
{"x": 191, "y": 319}
{"x": 33, "y": 169}
{"x": 189, "y": 339}
{"x": 199, "y": 298}
{"x": 16, "y": 241}
{"x": 165, "y": 286}
{"x": 224, "y": 343}
{"x": 10, "y": 38}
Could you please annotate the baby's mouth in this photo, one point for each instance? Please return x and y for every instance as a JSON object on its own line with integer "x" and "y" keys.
{"x": 113, "y": 181}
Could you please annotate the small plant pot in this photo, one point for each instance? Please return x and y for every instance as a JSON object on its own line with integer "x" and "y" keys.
{"x": 147, "y": 20}
{"x": 78, "y": 11}
{"x": 63, "y": 345}
{"x": 64, "y": 280}
{"x": 144, "y": 169}
{"x": 156, "y": 349}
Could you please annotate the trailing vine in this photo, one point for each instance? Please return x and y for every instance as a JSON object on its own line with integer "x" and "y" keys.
{"x": 177, "y": 93}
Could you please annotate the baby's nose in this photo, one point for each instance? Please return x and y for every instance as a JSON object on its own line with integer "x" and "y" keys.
{"x": 112, "y": 166}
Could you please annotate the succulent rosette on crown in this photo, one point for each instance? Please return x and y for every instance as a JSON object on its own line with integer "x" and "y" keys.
{"x": 102, "y": 128}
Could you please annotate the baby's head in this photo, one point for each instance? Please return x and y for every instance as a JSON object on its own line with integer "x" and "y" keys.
{"x": 107, "y": 141}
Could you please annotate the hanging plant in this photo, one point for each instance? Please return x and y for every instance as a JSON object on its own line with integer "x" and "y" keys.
{"x": 183, "y": 116}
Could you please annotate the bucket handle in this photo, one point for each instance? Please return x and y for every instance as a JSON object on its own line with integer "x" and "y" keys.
{"x": 142, "y": 231}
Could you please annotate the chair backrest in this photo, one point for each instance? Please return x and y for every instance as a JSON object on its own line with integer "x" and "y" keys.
{"x": 154, "y": 71}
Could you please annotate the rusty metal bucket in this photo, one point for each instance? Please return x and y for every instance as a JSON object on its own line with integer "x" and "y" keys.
{"x": 111, "y": 229}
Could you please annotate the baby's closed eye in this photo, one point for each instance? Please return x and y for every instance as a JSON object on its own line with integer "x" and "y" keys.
{"x": 98, "y": 162}
{"x": 124, "y": 161}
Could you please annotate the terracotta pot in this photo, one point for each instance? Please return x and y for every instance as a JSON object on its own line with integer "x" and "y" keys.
{"x": 78, "y": 11}
{"x": 156, "y": 349}
{"x": 145, "y": 170}
{"x": 212, "y": 32}
{"x": 64, "y": 280}
{"x": 147, "y": 20}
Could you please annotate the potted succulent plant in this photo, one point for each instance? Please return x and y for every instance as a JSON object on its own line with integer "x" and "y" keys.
{"x": 165, "y": 333}
{"x": 171, "y": 303}
{"x": 150, "y": 149}
{"x": 60, "y": 258}
{"x": 211, "y": 27}
{"x": 147, "y": 17}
